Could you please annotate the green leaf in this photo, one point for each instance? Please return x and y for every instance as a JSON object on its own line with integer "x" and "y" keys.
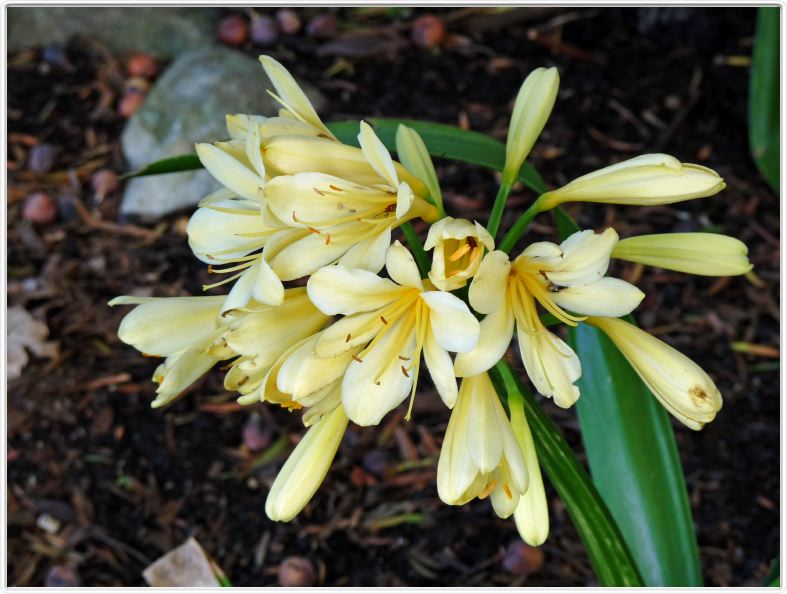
{"x": 774, "y": 574}
{"x": 447, "y": 142}
{"x": 633, "y": 457}
{"x": 170, "y": 165}
{"x": 610, "y": 556}
{"x": 764, "y": 100}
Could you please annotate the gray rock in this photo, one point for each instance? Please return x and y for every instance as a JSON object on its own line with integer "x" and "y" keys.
{"x": 162, "y": 31}
{"x": 188, "y": 104}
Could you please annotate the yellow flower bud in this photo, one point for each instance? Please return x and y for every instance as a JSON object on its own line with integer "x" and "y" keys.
{"x": 458, "y": 250}
{"x": 532, "y": 108}
{"x": 305, "y": 469}
{"x": 705, "y": 254}
{"x": 681, "y": 385}
{"x": 645, "y": 180}
{"x": 415, "y": 156}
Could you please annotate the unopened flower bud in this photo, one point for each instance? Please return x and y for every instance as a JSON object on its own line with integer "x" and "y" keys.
{"x": 645, "y": 180}
{"x": 705, "y": 254}
{"x": 681, "y": 385}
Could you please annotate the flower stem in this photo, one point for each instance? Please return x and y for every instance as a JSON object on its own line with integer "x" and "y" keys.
{"x": 518, "y": 229}
{"x": 497, "y": 209}
{"x": 417, "y": 248}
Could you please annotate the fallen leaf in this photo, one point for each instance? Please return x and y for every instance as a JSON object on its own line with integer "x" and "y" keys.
{"x": 25, "y": 332}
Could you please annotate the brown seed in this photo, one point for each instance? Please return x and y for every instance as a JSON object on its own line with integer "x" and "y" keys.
{"x": 41, "y": 158}
{"x": 428, "y": 31}
{"x": 264, "y": 31}
{"x": 143, "y": 65}
{"x": 296, "y": 572}
{"x": 40, "y": 208}
{"x": 288, "y": 20}
{"x": 322, "y": 26}
{"x": 104, "y": 181}
{"x": 130, "y": 103}
{"x": 233, "y": 30}
{"x": 521, "y": 558}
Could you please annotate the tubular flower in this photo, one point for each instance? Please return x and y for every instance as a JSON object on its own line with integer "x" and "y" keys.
{"x": 531, "y": 111}
{"x": 337, "y": 219}
{"x": 565, "y": 277}
{"x": 705, "y": 254}
{"x": 415, "y": 156}
{"x": 394, "y": 321}
{"x": 305, "y": 469}
{"x": 260, "y": 334}
{"x": 458, "y": 250}
{"x": 480, "y": 455}
{"x": 681, "y": 385}
{"x": 230, "y": 232}
{"x": 182, "y": 329}
{"x": 644, "y": 180}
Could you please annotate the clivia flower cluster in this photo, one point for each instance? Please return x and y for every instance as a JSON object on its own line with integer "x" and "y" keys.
{"x": 353, "y": 343}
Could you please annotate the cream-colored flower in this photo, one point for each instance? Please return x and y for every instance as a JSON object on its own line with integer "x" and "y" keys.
{"x": 182, "y": 329}
{"x": 531, "y": 111}
{"x": 644, "y": 180}
{"x": 565, "y": 277}
{"x": 480, "y": 455}
{"x": 305, "y": 469}
{"x": 338, "y": 220}
{"x": 260, "y": 334}
{"x": 458, "y": 250}
{"x": 682, "y": 387}
{"x": 706, "y": 254}
{"x": 394, "y": 321}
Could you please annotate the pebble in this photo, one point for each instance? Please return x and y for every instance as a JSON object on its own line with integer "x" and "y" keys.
{"x": 522, "y": 559}
{"x": 41, "y": 158}
{"x": 137, "y": 84}
{"x": 104, "y": 181}
{"x": 264, "y": 31}
{"x": 143, "y": 65}
{"x": 288, "y": 20}
{"x": 39, "y": 208}
{"x": 62, "y": 576}
{"x": 296, "y": 572}
{"x": 255, "y": 436}
{"x": 130, "y": 103}
{"x": 233, "y": 30}
{"x": 428, "y": 31}
{"x": 48, "y": 523}
{"x": 54, "y": 54}
{"x": 322, "y": 26}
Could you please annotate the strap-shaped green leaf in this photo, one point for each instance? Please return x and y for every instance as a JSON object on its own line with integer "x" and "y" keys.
{"x": 764, "y": 90}
{"x": 612, "y": 561}
{"x": 633, "y": 457}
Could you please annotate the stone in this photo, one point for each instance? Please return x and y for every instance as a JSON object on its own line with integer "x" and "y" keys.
{"x": 162, "y": 31}
{"x": 188, "y": 104}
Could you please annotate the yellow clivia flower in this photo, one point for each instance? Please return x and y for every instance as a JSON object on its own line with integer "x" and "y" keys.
{"x": 458, "y": 250}
{"x": 705, "y": 254}
{"x": 305, "y": 469}
{"x": 480, "y": 455}
{"x": 644, "y": 180}
{"x": 395, "y": 321}
{"x": 182, "y": 329}
{"x": 565, "y": 277}
{"x": 682, "y": 387}
{"x": 338, "y": 219}
{"x": 532, "y": 108}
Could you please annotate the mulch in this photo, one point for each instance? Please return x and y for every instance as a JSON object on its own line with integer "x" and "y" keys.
{"x": 100, "y": 485}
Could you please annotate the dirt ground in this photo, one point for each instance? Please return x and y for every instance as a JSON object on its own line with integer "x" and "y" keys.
{"x": 100, "y": 485}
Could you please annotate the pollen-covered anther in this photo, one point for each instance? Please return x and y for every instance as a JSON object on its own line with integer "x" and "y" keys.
{"x": 317, "y": 191}
{"x": 488, "y": 489}
{"x": 357, "y": 358}
{"x": 327, "y": 238}
{"x": 404, "y": 371}
{"x": 384, "y": 320}
{"x": 349, "y": 336}
{"x": 507, "y": 491}
{"x": 335, "y": 188}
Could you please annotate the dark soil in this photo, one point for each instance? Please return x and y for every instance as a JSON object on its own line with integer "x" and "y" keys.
{"x": 127, "y": 483}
